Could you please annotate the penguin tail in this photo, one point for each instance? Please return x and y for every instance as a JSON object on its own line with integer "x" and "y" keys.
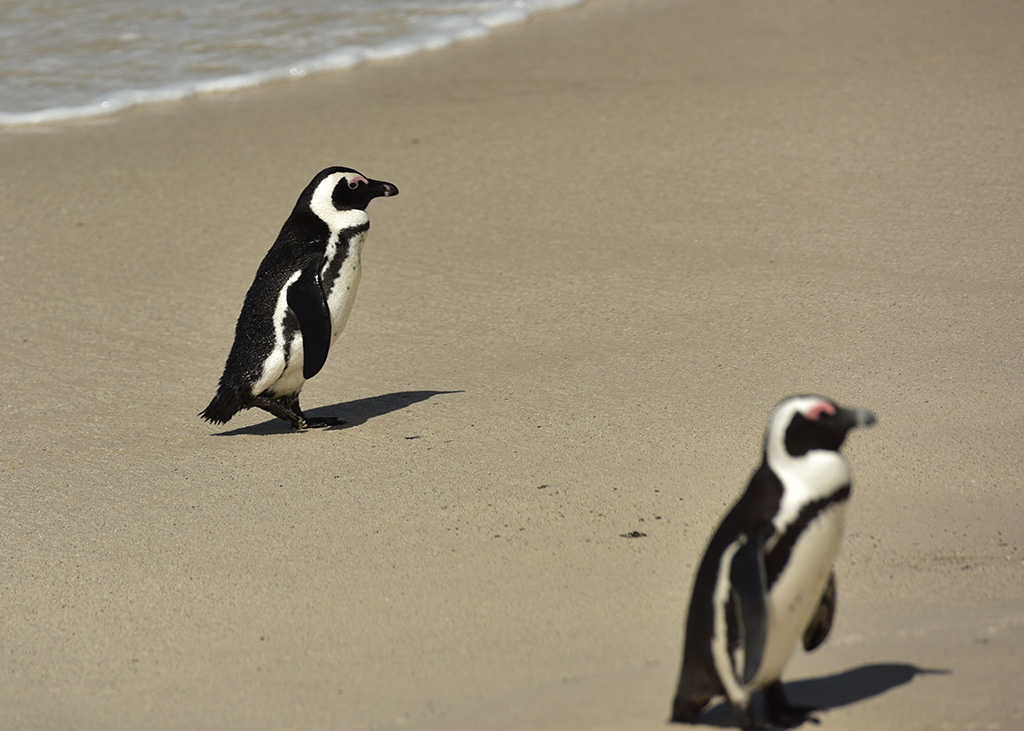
{"x": 692, "y": 695}
{"x": 225, "y": 404}
{"x": 685, "y": 709}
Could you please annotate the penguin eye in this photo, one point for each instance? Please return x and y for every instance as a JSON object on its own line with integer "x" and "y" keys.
{"x": 356, "y": 181}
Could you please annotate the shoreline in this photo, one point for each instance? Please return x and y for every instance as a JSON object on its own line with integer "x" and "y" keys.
{"x": 344, "y": 58}
{"x": 624, "y": 233}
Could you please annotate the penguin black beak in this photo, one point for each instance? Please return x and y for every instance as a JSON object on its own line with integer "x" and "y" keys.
{"x": 851, "y": 418}
{"x": 381, "y": 189}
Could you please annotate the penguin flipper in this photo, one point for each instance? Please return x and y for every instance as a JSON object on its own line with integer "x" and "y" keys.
{"x": 821, "y": 622}
{"x": 747, "y": 575}
{"x": 306, "y": 299}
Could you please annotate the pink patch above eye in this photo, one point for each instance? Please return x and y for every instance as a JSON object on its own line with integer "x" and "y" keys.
{"x": 823, "y": 407}
{"x": 354, "y": 182}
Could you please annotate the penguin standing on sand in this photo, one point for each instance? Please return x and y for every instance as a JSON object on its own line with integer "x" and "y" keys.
{"x": 766, "y": 578}
{"x": 300, "y": 300}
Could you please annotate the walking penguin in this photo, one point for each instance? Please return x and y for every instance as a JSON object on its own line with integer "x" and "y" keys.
{"x": 766, "y": 578}
{"x": 300, "y": 300}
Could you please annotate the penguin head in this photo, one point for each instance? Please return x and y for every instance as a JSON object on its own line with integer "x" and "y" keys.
{"x": 336, "y": 191}
{"x": 801, "y": 424}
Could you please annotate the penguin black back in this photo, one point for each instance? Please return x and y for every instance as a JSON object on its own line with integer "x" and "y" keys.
{"x": 754, "y": 509}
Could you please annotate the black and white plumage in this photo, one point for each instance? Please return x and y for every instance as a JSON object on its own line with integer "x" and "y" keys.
{"x": 300, "y": 300}
{"x": 766, "y": 579}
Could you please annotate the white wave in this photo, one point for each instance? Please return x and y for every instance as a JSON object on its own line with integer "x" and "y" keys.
{"x": 436, "y": 32}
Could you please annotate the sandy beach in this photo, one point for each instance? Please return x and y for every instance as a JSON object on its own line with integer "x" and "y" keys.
{"x": 624, "y": 232}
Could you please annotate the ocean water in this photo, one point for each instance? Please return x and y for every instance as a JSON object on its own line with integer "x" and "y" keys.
{"x": 66, "y": 59}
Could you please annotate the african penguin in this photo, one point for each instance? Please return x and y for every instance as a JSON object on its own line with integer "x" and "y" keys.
{"x": 300, "y": 300}
{"x": 766, "y": 578}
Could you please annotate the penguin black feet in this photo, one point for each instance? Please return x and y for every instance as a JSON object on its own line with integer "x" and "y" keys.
{"x": 282, "y": 408}
{"x": 782, "y": 714}
{"x": 287, "y": 408}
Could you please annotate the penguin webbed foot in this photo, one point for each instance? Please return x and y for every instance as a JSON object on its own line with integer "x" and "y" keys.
{"x": 287, "y": 409}
{"x": 781, "y": 713}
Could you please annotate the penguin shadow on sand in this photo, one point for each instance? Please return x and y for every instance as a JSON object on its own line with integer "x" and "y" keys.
{"x": 833, "y": 691}
{"x": 354, "y": 413}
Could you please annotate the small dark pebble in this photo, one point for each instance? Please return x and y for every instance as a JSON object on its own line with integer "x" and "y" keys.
{"x": 633, "y": 534}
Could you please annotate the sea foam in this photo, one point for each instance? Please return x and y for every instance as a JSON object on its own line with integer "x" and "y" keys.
{"x": 116, "y": 54}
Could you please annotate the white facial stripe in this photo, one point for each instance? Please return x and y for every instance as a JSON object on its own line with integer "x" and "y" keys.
{"x": 322, "y": 203}
{"x": 812, "y": 407}
{"x": 734, "y": 690}
{"x": 814, "y": 475}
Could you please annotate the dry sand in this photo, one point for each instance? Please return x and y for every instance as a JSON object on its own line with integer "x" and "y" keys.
{"x": 624, "y": 233}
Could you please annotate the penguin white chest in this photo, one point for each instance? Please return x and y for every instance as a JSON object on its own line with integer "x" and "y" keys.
{"x": 797, "y": 590}
{"x": 340, "y": 275}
